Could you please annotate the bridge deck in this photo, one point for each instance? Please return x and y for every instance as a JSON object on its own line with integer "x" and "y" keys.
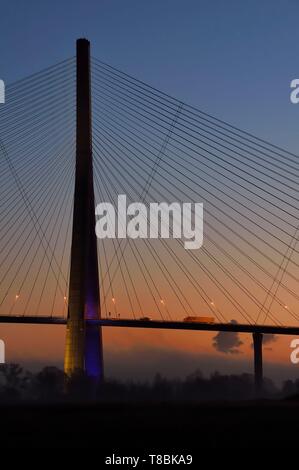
{"x": 159, "y": 324}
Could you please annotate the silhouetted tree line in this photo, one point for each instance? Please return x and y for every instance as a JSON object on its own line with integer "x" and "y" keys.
{"x": 51, "y": 384}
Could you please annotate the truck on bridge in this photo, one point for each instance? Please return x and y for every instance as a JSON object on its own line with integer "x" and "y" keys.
{"x": 191, "y": 319}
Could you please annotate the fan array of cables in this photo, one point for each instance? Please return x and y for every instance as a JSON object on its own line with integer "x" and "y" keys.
{"x": 152, "y": 148}
{"x": 37, "y": 150}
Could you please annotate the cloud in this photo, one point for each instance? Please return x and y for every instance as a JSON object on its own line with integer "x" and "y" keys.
{"x": 269, "y": 338}
{"x": 227, "y": 342}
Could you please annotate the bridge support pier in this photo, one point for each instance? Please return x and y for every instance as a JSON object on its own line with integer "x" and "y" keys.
{"x": 83, "y": 351}
{"x": 258, "y": 363}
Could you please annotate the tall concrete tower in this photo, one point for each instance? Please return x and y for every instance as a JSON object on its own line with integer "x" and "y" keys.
{"x": 83, "y": 349}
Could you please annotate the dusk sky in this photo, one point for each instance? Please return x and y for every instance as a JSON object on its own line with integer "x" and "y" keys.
{"x": 233, "y": 60}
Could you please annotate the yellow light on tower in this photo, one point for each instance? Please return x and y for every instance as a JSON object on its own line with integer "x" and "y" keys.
{"x": 113, "y": 300}
{"x": 162, "y": 302}
{"x": 17, "y": 296}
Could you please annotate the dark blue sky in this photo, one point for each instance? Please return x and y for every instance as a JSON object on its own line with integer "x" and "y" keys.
{"x": 231, "y": 58}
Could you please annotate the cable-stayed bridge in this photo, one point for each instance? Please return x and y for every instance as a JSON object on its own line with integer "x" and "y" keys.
{"x": 82, "y": 132}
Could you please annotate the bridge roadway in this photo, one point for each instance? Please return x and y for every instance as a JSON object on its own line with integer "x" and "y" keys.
{"x": 159, "y": 324}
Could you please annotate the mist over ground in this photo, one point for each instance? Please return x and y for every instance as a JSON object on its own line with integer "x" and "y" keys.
{"x": 142, "y": 364}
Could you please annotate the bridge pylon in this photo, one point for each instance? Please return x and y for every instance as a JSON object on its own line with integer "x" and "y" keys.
{"x": 258, "y": 363}
{"x": 83, "y": 349}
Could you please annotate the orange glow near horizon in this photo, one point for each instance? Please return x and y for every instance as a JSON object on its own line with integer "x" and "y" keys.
{"x": 44, "y": 345}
